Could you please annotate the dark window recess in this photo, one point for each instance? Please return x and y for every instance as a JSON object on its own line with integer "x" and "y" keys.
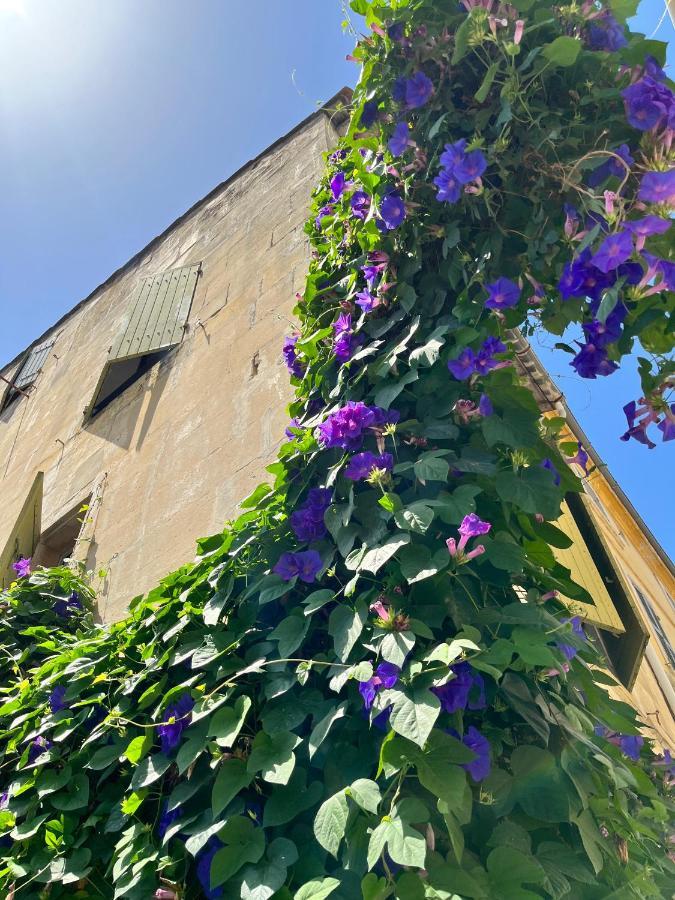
{"x": 656, "y": 624}
{"x": 121, "y": 375}
{"x": 155, "y": 323}
{"x": 58, "y": 542}
{"x": 624, "y": 651}
{"x": 26, "y": 374}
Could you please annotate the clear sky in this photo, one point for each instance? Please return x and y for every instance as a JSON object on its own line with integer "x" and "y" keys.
{"x": 117, "y": 115}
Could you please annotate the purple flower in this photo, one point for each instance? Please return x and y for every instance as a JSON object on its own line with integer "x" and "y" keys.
{"x": 342, "y": 324}
{"x": 648, "y": 226}
{"x": 485, "y": 407}
{"x": 400, "y": 139}
{"x": 167, "y": 819}
{"x": 362, "y": 464}
{"x": 386, "y": 676}
{"x": 418, "y": 90}
{"x": 293, "y": 365}
{"x": 288, "y": 430}
{"x": 372, "y": 272}
{"x": 611, "y": 166}
{"x": 667, "y": 425}
{"x": 473, "y": 526}
{"x": 308, "y": 521}
{"x": 326, "y": 210}
{"x": 344, "y": 346}
{"x": 582, "y": 279}
{"x": 449, "y": 186}
{"x": 464, "y": 366}
{"x": 568, "y": 650}
{"x": 614, "y": 250}
{"x": 470, "y": 167}
{"x": 392, "y": 211}
{"x": 360, "y": 204}
{"x": 465, "y": 691}
{"x": 502, "y": 294}
{"x": 22, "y": 567}
{"x": 592, "y": 361}
{"x": 630, "y": 745}
{"x": 366, "y": 301}
{"x": 57, "y": 700}
{"x": 67, "y": 607}
{"x": 345, "y": 428}
{"x": 306, "y": 565}
{"x": 398, "y": 89}
{"x": 485, "y": 362}
{"x": 493, "y": 345}
{"x": 37, "y": 747}
{"x": 175, "y": 719}
{"x": 479, "y": 768}
{"x": 395, "y": 32}
{"x": 203, "y": 867}
{"x": 580, "y": 458}
{"x": 600, "y": 334}
{"x": 658, "y": 187}
{"x": 547, "y": 464}
{"x": 337, "y": 185}
{"x": 370, "y": 113}
{"x": 605, "y": 33}
{"x": 649, "y": 104}
{"x": 653, "y": 69}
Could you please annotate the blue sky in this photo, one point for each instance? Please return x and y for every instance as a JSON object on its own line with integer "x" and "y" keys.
{"x": 115, "y": 117}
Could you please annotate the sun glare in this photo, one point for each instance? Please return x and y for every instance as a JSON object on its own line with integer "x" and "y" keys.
{"x": 13, "y": 8}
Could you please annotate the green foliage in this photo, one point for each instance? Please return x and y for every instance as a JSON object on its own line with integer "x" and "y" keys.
{"x": 280, "y": 782}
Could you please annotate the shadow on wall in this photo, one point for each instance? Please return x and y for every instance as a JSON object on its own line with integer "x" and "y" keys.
{"x": 125, "y": 396}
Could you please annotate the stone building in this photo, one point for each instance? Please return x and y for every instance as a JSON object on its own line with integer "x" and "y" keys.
{"x": 142, "y": 417}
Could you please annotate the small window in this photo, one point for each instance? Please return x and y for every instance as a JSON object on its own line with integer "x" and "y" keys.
{"x": 156, "y": 323}
{"x": 611, "y": 609}
{"x": 26, "y": 374}
{"x": 58, "y": 542}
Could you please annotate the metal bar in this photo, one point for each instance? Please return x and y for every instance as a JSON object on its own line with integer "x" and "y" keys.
{"x": 12, "y": 385}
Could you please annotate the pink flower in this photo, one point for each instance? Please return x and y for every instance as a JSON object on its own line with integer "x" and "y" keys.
{"x": 471, "y": 526}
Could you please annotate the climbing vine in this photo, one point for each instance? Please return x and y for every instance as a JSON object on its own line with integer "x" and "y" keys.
{"x": 367, "y": 686}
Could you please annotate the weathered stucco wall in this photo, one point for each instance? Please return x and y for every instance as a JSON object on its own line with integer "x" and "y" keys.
{"x": 188, "y": 440}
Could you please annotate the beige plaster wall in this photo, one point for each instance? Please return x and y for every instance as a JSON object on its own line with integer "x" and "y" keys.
{"x": 191, "y": 438}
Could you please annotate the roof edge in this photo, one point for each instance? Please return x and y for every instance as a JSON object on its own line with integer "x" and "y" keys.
{"x": 553, "y": 396}
{"x": 331, "y": 107}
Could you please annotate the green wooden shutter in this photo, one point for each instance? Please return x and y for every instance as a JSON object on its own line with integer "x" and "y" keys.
{"x": 32, "y": 366}
{"x": 159, "y": 311}
{"x": 24, "y": 537}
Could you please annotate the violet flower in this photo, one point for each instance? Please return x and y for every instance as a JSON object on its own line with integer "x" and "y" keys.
{"x": 326, "y": 210}
{"x": 569, "y": 651}
{"x": 611, "y": 167}
{"x": 400, "y": 139}
{"x": 22, "y": 567}
{"x": 465, "y": 691}
{"x": 57, "y": 700}
{"x": 305, "y": 565}
{"x": 361, "y": 465}
{"x": 37, "y": 747}
{"x": 337, "y": 185}
{"x": 614, "y": 250}
{"x": 370, "y": 113}
{"x": 385, "y": 676}
{"x": 658, "y": 187}
{"x": 646, "y": 227}
{"x": 479, "y": 768}
{"x": 471, "y": 526}
{"x": 667, "y": 425}
{"x": 580, "y": 458}
{"x": 592, "y": 361}
{"x": 308, "y": 521}
{"x": 392, "y": 212}
{"x": 418, "y": 90}
{"x": 367, "y": 301}
{"x": 502, "y": 294}
{"x": 293, "y": 364}
{"x": 175, "y": 719}
{"x": 203, "y": 864}
{"x": 605, "y": 33}
{"x": 66, "y": 607}
{"x": 547, "y": 464}
{"x": 346, "y": 427}
{"x": 649, "y": 104}
{"x": 360, "y": 204}
{"x": 167, "y": 819}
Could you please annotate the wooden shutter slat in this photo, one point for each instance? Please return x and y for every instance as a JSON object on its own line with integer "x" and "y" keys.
{"x": 183, "y": 308}
{"x": 160, "y": 307}
{"x": 32, "y": 365}
{"x": 157, "y": 322}
{"x": 120, "y": 347}
{"x": 579, "y": 561}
